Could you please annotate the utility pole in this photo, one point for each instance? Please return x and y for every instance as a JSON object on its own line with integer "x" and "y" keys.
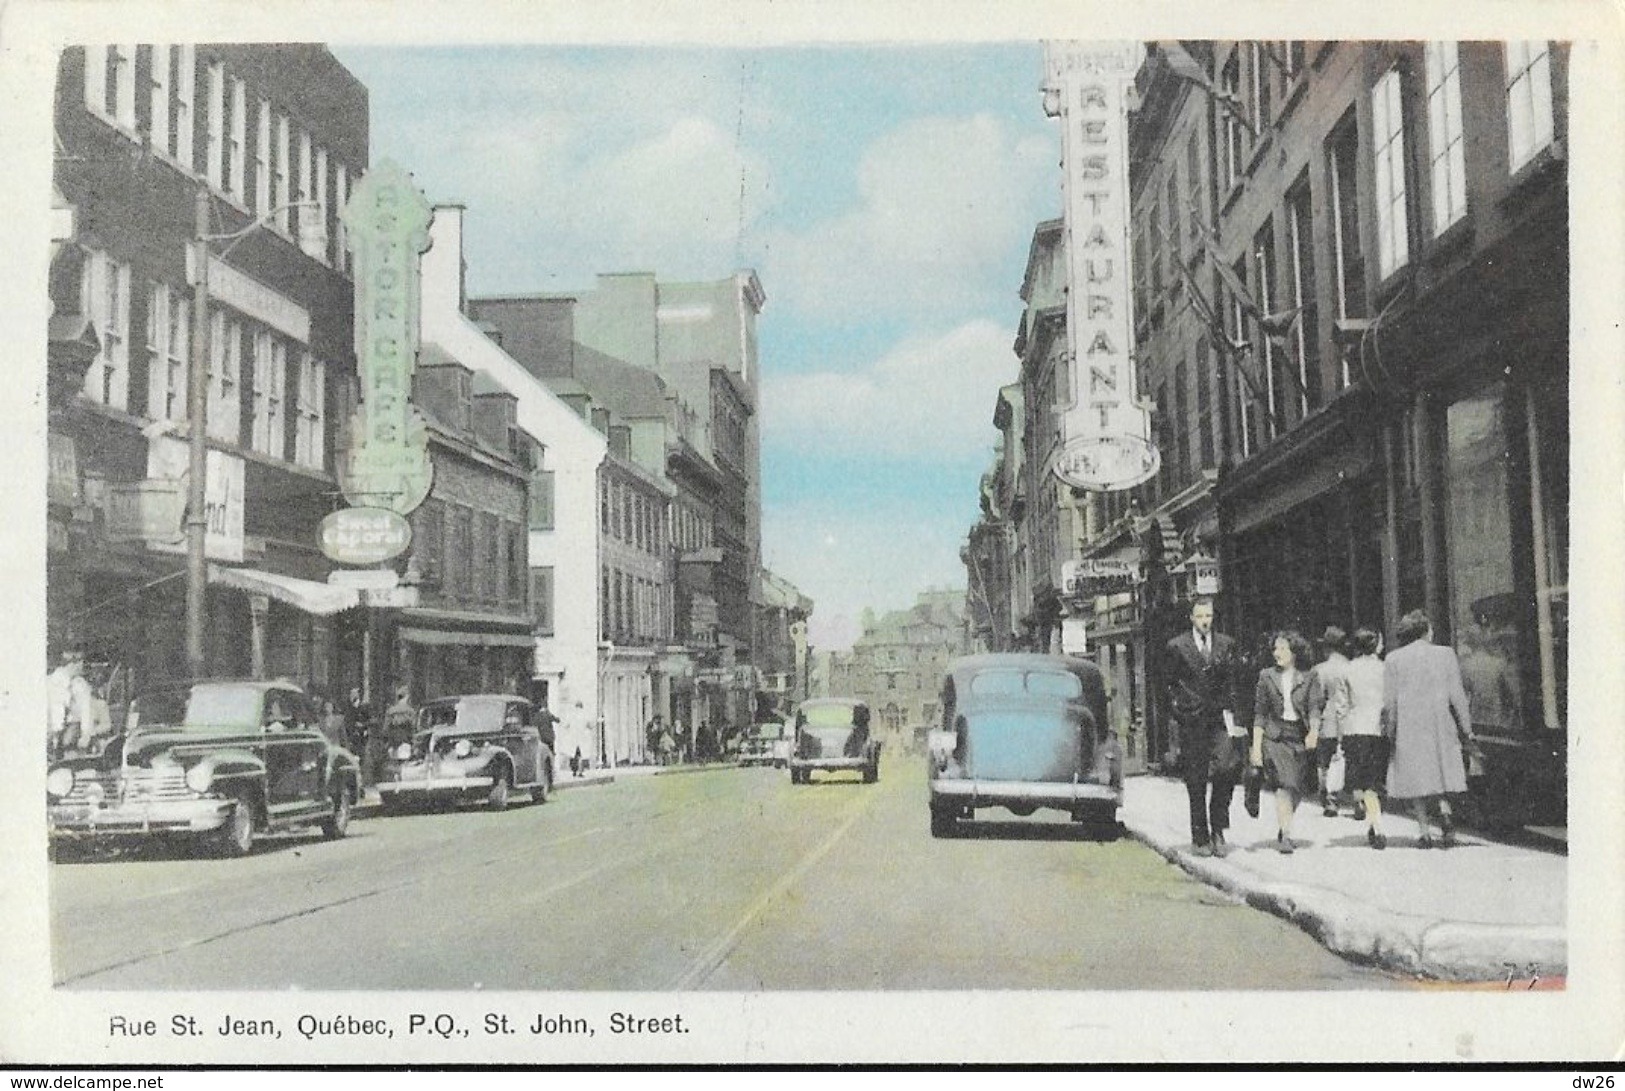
{"x": 197, "y": 417}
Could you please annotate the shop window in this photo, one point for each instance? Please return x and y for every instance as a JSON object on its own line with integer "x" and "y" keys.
{"x": 1487, "y": 614}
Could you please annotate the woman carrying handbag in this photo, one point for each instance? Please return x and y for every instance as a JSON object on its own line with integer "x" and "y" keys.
{"x": 1282, "y": 737}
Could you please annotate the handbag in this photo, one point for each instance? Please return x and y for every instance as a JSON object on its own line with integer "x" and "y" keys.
{"x": 1336, "y": 773}
{"x": 1252, "y": 784}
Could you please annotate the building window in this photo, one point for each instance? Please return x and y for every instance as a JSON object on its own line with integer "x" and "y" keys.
{"x": 460, "y": 557}
{"x": 1233, "y": 148}
{"x": 1262, "y": 79}
{"x": 182, "y": 115}
{"x": 311, "y": 239}
{"x": 1181, "y": 426}
{"x": 494, "y": 571}
{"x": 1529, "y": 101}
{"x": 1153, "y": 219}
{"x": 1170, "y": 207}
{"x": 310, "y": 419}
{"x": 225, "y": 407}
{"x": 110, "y": 84}
{"x": 1204, "y": 401}
{"x": 1350, "y": 270}
{"x": 1388, "y": 139}
{"x": 1246, "y": 385}
{"x": 262, "y": 159}
{"x": 1273, "y": 359}
{"x": 1193, "y": 181}
{"x": 106, "y": 285}
{"x": 429, "y": 539}
{"x": 513, "y": 594}
{"x": 281, "y": 172}
{"x": 168, "y": 313}
{"x": 270, "y": 386}
{"x": 1446, "y": 149}
{"x": 603, "y": 506}
{"x": 214, "y": 147}
{"x": 542, "y": 486}
{"x": 541, "y": 599}
{"x": 159, "y": 70}
{"x": 237, "y": 144}
{"x": 320, "y": 213}
{"x": 341, "y": 195}
{"x": 1305, "y": 336}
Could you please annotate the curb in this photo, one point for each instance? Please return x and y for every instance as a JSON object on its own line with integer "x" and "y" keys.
{"x": 1429, "y": 947}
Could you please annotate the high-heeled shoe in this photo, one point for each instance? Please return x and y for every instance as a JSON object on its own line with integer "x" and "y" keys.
{"x": 1447, "y": 832}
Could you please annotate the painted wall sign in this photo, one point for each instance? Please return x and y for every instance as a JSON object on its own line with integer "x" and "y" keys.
{"x": 235, "y": 288}
{"x": 364, "y": 535}
{"x": 387, "y": 227}
{"x": 168, "y": 459}
{"x": 1106, "y": 439}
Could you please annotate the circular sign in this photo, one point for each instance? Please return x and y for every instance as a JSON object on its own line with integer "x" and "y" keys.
{"x": 1107, "y": 463}
{"x": 364, "y": 535}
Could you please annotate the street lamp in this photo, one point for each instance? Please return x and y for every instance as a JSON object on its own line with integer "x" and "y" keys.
{"x": 197, "y": 417}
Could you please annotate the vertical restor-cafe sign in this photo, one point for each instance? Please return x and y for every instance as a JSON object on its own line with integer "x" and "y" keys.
{"x": 1106, "y": 441}
{"x": 387, "y": 227}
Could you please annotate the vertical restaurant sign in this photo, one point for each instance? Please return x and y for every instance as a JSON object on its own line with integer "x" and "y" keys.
{"x": 1106, "y": 441}
{"x": 387, "y": 227}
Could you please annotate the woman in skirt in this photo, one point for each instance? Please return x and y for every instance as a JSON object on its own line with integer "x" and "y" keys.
{"x": 1282, "y": 740}
{"x": 1356, "y": 705}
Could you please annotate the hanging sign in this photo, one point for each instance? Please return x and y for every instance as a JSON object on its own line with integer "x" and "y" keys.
{"x": 364, "y": 535}
{"x": 1106, "y": 439}
{"x": 387, "y": 227}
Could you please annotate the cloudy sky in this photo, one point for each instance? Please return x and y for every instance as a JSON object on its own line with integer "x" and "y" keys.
{"x": 886, "y": 196}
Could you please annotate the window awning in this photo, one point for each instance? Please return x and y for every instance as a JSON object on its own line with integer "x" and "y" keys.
{"x": 467, "y": 639}
{"x": 321, "y": 599}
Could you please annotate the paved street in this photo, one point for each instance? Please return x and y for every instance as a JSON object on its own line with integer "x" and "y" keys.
{"x": 728, "y": 879}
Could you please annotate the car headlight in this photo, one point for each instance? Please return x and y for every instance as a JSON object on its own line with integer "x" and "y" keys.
{"x": 59, "y": 782}
{"x": 463, "y": 748}
{"x": 403, "y": 751}
{"x": 200, "y": 777}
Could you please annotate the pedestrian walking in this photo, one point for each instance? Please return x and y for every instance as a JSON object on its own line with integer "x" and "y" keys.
{"x": 357, "y": 722}
{"x": 1199, "y": 675}
{"x": 67, "y": 702}
{"x": 1356, "y": 708}
{"x": 1282, "y": 739}
{"x": 334, "y": 723}
{"x": 1425, "y": 705}
{"x": 1322, "y": 680}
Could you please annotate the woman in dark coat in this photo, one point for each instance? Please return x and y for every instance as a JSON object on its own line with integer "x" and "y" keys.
{"x": 1425, "y": 709}
{"x": 1282, "y": 740}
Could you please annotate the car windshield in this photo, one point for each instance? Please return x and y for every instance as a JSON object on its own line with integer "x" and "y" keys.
{"x": 201, "y": 708}
{"x": 828, "y": 716}
{"x": 769, "y": 732}
{"x": 464, "y": 715}
{"x": 1015, "y": 683}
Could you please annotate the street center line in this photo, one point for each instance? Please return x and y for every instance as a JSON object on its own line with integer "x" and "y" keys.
{"x": 713, "y": 956}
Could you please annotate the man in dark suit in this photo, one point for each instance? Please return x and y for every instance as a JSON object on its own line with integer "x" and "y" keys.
{"x": 1199, "y": 674}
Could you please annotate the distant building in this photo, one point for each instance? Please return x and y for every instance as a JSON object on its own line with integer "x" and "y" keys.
{"x": 898, "y": 663}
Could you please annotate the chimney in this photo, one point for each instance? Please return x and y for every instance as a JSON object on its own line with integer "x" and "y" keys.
{"x": 444, "y": 291}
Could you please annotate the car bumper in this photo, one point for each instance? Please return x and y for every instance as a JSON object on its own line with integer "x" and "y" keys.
{"x": 189, "y": 816}
{"x": 1064, "y": 795}
{"x": 829, "y": 763}
{"x": 414, "y": 789}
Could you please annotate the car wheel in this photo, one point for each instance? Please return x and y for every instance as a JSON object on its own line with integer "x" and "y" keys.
{"x": 337, "y": 824}
{"x": 498, "y": 799}
{"x": 539, "y": 793}
{"x": 236, "y": 837}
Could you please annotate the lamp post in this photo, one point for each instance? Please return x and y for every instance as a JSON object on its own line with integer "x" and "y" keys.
{"x": 197, "y": 418}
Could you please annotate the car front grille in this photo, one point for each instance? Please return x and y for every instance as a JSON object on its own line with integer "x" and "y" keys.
{"x": 83, "y": 792}
{"x": 163, "y": 782}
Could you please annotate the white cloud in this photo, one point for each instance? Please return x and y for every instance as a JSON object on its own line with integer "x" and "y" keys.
{"x": 930, "y": 397}
{"x": 940, "y": 201}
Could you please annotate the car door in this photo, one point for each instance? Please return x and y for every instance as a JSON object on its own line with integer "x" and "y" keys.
{"x": 293, "y": 748}
{"x": 522, "y": 741}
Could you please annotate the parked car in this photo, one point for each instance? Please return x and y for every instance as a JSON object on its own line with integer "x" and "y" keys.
{"x": 832, "y": 734}
{"x": 215, "y": 761}
{"x": 479, "y": 746}
{"x": 1023, "y": 732}
{"x": 765, "y": 744}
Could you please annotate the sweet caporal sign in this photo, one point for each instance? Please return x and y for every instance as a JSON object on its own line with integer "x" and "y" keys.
{"x": 1106, "y": 431}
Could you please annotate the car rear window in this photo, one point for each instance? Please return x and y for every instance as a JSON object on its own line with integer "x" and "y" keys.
{"x": 827, "y": 716}
{"x": 1013, "y": 683}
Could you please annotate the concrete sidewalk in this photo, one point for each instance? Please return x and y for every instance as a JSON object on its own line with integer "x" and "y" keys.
{"x": 1480, "y": 911}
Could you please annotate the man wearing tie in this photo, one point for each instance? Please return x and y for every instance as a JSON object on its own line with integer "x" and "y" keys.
{"x": 1199, "y": 673}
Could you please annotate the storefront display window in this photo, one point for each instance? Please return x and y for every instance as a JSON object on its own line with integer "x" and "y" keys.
{"x": 1487, "y": 616}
